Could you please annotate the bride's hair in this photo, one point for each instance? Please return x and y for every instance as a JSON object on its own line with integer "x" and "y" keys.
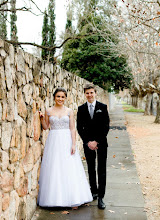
{"x": 60, "y": 89}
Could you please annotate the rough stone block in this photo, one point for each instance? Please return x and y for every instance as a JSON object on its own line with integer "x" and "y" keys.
{"x": 27, "y": 90}
{"x": 37, "y": 126}
{"x": 13, "y": 155}
{"x": 17, "y": 176}
{"x": 21, "y": 210}
{"x": 11, "y": 53}
{"x": 22, "y": 190}
{"x": 4, "y": 160}
{"x": 5, "y": 201}
{"x": 0, "y": 203}
{"x": 35, "y": 175}
{"x": 22, "y": 109}
{"x": 6, "y": 181}
{"x": 20, "y": 61}
{"x": 28, "y": 161}
{"x": 30, "y": 120}
{"x": 23, "y": 140}
{"x": 36, "y": 150}
{"x": 28, "y": 73}
{"x": 8, "y": 73}
{"x": 1, "y": 43}
{"x": 3, "y": 53}
{"x": 30, "y": 206}
{"x": 20, "y": 79}
{"x": 4, "y": 110}
{"x": 2, "y": 80}
{"x": 14, "y": 203}
{"x": 10, "y": 106}
{"x": 6, "y": 135}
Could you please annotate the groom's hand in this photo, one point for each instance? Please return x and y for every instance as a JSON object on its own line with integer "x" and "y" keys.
{"x": 92, "y": 145}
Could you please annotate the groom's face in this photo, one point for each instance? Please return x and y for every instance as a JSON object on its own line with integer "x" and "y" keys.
{"x": 90, "y": 95}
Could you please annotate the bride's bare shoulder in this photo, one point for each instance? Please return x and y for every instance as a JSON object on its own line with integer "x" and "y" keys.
{"x": 49, "y": 110}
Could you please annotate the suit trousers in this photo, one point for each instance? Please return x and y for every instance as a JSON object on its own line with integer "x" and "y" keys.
{"x": 101, "y": 154}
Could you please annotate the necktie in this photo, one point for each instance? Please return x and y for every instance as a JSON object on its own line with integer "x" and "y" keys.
{"x": 91, "y": 111}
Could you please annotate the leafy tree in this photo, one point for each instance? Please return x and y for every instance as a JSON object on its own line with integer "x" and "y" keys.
{"x": 3, "y": 25}
{"x": 52, "y": 33}
{"x": 13, "y": 21}
{"x": 94, "y": 58}
{"x": 45, "y": 35}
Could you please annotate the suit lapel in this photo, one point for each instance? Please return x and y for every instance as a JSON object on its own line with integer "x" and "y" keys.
{"x": 86, "y": 110}
{"x": 96, "y": 108}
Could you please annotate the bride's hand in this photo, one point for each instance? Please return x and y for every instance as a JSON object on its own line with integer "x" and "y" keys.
{"x": 73, "y": 150}
{"x": 41, "y": 115}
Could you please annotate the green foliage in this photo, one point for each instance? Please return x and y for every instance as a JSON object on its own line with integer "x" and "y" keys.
{"x": 45, "y": 37}
{"x": 3, "y": 26}
{"x": 13, "y": 17}
{"x": 52, "y": 33}
{"x": 94, "y": 58}
{"x": 130, "y": 108}
{"x": 48, "y": 32}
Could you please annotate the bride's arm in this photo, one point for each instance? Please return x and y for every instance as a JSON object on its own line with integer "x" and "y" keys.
{"x": 73, "y": 132}
{"x": 44, "y": 120}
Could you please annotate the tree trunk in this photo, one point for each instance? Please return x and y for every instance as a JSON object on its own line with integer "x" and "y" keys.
{"x": 134, "y": 101}
{"x": 140, "y": 101}
{"x": 148, "y": 104}
{"x": 157, "y": 120}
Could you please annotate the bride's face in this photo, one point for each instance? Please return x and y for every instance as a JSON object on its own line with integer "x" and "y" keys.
{"x": 60, "y": 98}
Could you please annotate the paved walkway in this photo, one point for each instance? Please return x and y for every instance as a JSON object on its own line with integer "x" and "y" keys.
{"x": 124, "y": 200}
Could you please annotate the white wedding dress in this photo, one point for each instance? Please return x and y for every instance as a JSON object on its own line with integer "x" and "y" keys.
{"x": 62, "y": 181}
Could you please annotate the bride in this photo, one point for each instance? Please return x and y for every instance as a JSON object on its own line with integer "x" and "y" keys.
{"x": 62, "y": 181}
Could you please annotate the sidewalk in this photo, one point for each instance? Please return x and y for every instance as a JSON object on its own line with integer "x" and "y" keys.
{"x": 124, "y": 200}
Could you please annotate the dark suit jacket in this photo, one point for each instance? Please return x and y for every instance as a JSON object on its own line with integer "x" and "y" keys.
{"x": 95, "y": 129}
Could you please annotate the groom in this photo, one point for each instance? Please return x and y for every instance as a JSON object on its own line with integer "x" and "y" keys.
{"x": 93, "y": 127}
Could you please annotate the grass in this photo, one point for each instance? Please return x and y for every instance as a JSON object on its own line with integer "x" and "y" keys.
{"x": 130, "y": 108}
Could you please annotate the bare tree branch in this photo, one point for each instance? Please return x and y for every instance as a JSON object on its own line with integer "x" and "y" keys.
{"x": 144, "y": 23}
{"x": 45, "y": 47}
{"x": 3, "y": 3}
{"x": 37, "y": 6}
{"x": 20, "y": 9}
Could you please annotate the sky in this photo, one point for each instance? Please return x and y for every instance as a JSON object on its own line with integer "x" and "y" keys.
{"x": 30, "y": 26}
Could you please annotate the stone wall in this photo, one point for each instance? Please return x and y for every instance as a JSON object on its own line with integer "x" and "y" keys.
{"x": 27, "y": 85}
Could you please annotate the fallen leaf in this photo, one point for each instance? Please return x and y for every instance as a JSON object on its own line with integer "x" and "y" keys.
{"x": 65, "y": 213}
{"x": 114, "y": 156}
{"x": 52, "y": 213}
{"x": 83, "y": 158}
{"x": 154, "y": 211}
{"x": 116, "y": 137}
{"x": 111, "y": 211}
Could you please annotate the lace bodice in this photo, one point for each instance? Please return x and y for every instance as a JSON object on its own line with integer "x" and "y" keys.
{"x": 59, "y": 123}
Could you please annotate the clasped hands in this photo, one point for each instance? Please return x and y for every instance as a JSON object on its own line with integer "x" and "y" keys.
{"x": 93, "y": 145}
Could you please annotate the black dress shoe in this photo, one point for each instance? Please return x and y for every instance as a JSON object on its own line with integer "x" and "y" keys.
{"x": 94, "y": 196}
{"x": 101, "y": 204}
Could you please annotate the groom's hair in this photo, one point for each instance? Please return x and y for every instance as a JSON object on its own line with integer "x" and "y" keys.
{"x": 89, "y": 86}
